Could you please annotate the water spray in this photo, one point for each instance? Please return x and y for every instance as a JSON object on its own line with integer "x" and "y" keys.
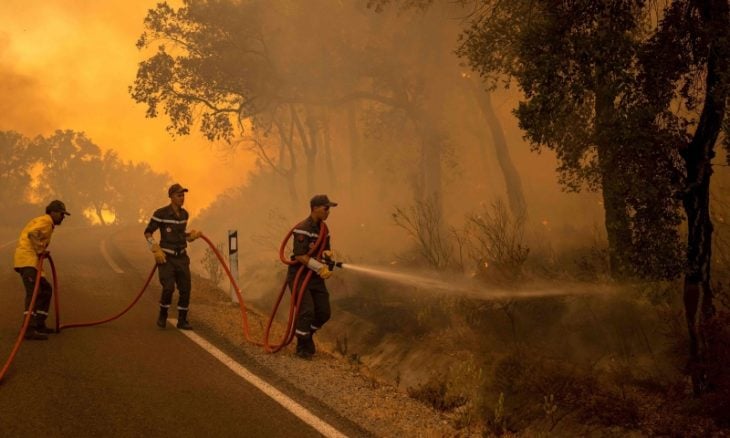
{"x": 470, "y": 290}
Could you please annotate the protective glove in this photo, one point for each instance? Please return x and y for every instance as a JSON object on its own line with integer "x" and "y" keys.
{"x": 320, "y": 268}
{"x": 160, "y": 256}
{"x": 325, "y": 273}
{"x": 328, "y": 257}
{"x": 193, "y": 234}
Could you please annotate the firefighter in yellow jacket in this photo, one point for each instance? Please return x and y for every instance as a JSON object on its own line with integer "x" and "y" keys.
{"x": 32, "y": 242}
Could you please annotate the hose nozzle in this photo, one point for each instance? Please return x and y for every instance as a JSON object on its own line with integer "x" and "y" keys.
{"x": 331, "y": 264}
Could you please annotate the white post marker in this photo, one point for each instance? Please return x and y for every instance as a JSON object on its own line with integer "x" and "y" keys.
{"x": 233, "y": 261}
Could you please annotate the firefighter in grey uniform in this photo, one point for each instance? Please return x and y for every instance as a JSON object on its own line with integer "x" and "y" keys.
{"x": 171, "y": 255}
{"x": 314, "y": 310}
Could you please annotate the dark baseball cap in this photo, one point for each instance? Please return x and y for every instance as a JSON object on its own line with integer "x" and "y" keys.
{"x": 58, "y": 206}
{"x": 321, "y": 200}
{"x": 176, "y": 188}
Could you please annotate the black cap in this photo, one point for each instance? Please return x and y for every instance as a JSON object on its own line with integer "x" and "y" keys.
{"x": 321, "y": 200}
{"x": 176, "y": 188}
{"x": 58, "y": 206}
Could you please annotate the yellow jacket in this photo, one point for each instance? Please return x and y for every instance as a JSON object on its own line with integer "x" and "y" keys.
{"x": 33, "y": 240}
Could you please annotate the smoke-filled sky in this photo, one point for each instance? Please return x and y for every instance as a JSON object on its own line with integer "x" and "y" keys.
{"x": 67, "y": 64}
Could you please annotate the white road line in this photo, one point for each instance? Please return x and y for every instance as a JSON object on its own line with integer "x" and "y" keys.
{"x": 295, "y": 408}
{"x": 109, "y": 260}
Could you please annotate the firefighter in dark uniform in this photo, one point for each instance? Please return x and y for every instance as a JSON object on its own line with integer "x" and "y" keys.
{"x": 314, "y": 310}
{"x": 171, "y": 254}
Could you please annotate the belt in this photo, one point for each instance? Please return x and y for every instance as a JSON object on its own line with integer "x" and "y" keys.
{"x": 174, "y": 252}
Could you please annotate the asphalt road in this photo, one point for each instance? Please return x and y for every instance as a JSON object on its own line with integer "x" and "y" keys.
{"x": 125, "y": 378}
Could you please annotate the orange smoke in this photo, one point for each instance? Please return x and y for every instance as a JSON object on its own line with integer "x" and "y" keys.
{"x": 67, "y": 64}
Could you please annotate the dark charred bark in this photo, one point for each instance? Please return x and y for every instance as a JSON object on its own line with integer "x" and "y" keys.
{"x": 618, "y": 229}
{"x": 698, "y": 155}
{"x": 512, "y": 180}
{"x": 618, "y": 223}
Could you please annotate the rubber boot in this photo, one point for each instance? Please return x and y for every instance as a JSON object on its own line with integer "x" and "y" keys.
{"x": 162, "y": 318}
{"x": 40, "y": 325}
{"x": 305, "y": 346}
{"x": 182, "y": 320}
{"x": 310, "y": 345}
{"x": 32, "y": 333}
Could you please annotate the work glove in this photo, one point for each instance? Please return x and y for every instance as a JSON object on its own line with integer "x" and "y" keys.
{"x": 325, "y": 272}
{"x": 160, "y": 256}
{"x": 328, "y": 257}
{"x": 193, "y": 234}
{"x": 320, "y": 268}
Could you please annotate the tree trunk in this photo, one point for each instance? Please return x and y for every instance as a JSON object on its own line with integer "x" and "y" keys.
{"x": 329, "y": 163}
{"x": 698, "y": 156}
{"x": 286, "y": 148}
{"x": 309, "y": 146}
{"x": 618, "y": 229}
{"x": 428, "y": 185}
{"x": 354, "y": 151}
{"x": 512, "y": 180}
{"x": 311, "y": 153}
{"x": 99, "y": 214}
{"x": 618, "y": 224}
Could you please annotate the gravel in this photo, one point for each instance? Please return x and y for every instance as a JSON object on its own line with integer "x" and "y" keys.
{"x": 346, "y": 387}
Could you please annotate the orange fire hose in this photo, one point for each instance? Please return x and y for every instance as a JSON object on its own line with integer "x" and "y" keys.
{"x": 296, "y": 298}
{"x": 111, "y": 318}
{"x": 26, "y": 320}
{"x": 297, "y": 291}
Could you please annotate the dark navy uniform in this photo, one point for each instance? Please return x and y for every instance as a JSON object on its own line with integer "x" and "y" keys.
{"x": 314, "y": 310}
{"x": 176, "y": 271}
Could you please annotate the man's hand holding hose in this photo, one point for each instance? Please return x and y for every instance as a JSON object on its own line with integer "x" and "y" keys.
{"x": 193, "y": 234}
{"x": 320, "y": 268}
{"x": 160, "y": 257}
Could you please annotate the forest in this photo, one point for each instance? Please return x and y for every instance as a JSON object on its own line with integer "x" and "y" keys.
{"x": 563, "y": 165}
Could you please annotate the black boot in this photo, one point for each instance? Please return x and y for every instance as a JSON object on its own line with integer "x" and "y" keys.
{"x": 32, "y": 333}
{"x": 40, "y": 324}
{"x": 182, "y": 320}
{"x": 305, "y": 347}
{"x": 310, "y": 345}
{"x": 41, "y": 328}
{"x": 162, "y": 318}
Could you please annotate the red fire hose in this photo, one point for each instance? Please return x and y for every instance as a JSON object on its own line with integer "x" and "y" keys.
{"x": 297, "y": 289}
{"x": 26, "y": 320}
{"x": 111, "y": 318}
